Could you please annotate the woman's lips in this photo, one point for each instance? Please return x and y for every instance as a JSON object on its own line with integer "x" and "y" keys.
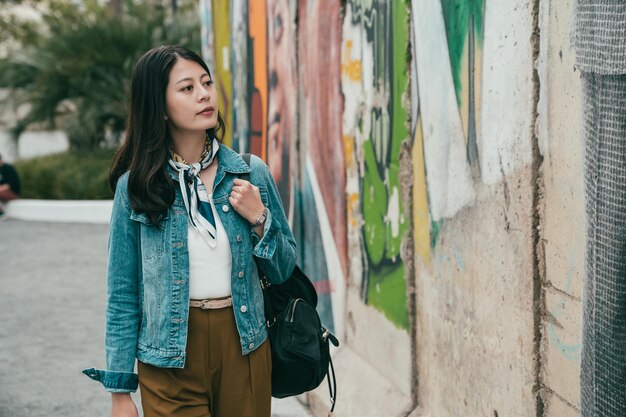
{"x": 207, "y": 112}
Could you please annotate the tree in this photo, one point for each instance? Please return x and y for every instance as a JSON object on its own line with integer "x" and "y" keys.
{"x": 74, "y": 67}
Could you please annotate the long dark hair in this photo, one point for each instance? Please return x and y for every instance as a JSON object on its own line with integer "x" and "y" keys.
{"x": 145, "y": 150}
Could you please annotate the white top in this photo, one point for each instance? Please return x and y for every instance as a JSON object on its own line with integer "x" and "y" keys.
{"x": 209, "y": 268}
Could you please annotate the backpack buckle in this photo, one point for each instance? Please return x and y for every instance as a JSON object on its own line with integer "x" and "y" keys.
{"x": 265, "y": 283}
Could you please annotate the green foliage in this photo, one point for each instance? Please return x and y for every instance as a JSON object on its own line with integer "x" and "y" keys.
{"x": 75, "y": 66}
{"x": 66, "y": 176}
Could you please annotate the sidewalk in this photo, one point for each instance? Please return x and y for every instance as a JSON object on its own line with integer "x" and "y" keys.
{"x": 52, "y": 294}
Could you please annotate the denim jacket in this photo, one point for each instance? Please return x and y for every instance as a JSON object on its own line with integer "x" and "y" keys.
{"x": 148, "y": 274}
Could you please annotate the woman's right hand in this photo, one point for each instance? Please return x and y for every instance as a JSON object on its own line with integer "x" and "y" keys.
{"x": 123, "y": 406}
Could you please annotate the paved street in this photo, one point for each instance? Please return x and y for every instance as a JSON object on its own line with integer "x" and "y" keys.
{"x": 52, "y": 293}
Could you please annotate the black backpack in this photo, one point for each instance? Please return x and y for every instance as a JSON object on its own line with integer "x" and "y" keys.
{"x": 299, "y": 342}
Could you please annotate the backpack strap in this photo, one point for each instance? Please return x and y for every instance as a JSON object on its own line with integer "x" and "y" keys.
{"x": 269, "y": 313}
{"x": 333, "y": 393}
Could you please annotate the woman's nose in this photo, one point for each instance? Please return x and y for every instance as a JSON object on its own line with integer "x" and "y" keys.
{"x": 203, "y": 95}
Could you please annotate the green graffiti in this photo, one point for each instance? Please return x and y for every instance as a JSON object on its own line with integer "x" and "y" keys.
{"x": 385, "y": 225}
{"x": 388, "y": 295}
{"x": 374, "y": 207}
{"x": 435, "y": 228}
{"x": 457, "y": 15}
{"x": 399, "y": 118}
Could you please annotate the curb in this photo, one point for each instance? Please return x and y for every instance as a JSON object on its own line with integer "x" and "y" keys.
{"x": 66, "y": 211}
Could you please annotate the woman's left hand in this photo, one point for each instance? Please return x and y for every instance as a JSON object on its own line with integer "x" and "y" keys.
{"x": 246, "y": 200}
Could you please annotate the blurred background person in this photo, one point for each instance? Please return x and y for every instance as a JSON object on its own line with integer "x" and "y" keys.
{"x": 9, "y": 184}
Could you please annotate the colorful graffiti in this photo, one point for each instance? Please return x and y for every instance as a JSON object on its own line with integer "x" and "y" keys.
{"x": 323, "y": 172}
{"x": 240, "y": 75}
{"x": 463, "y": 23}
{"x": 374, "y": 41}
{"x": 257, "y": 32}
{"x": 282, "y": 96}
{"x": 277, "y": 110}
{"x": 449, "y": 179}
{"x": 205, "y": 9}
{"x": 464, "y": 28}
{"x": 221, "y": 45}
{"x": 319, "y": 93}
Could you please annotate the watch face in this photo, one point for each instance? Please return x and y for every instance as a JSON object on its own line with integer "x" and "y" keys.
{"x": 262, "y": 217}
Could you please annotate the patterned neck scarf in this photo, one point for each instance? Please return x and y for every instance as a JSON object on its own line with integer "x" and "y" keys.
{"x": 199, "y": 211}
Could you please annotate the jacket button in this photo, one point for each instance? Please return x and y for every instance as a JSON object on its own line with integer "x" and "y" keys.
{"x": 243, "y": 309}
{"x": 239, "y": 239}
{"x": 225, "y": 208}
{"x": 251, "y": 345}
{"x": 240, "y": 274}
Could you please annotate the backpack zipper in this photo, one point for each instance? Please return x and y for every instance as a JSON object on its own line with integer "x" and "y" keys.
{"x": 293, "y": 309}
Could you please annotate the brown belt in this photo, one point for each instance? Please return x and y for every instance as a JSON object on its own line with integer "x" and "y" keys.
{"x": 212, "y": 304}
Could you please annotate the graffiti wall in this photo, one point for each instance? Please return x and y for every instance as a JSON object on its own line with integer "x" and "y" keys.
{"x": 464, "y": 33}
{"x": 321, "y": 158}
{"x": 357, "y": 104}
{"x": 320, "y": 93}
{"x": 374, "y": 79}
{"x": 285, "y": 104}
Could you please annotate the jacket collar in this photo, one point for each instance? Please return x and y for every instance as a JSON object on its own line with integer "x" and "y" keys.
{"x": 227, "y": 159}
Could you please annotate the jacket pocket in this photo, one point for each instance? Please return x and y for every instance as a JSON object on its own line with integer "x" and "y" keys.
{"x": 141, "y": 218}
{"x": 151, "y": 237}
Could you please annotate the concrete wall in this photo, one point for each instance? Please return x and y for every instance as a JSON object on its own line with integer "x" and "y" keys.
{"x": 563, "y": 234}
{"x": 31, "y": 143}
{"x": 475, "y": 288}
{"x": 428, "y": 155}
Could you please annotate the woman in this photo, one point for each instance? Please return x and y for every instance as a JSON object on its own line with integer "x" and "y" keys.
{"x": 187, "y": 241}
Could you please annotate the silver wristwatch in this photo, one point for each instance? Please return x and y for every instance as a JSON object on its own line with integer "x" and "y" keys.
{"x": 261, "y": 219}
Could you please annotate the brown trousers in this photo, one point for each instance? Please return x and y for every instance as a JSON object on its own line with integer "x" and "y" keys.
{"x": 217, "y": 380}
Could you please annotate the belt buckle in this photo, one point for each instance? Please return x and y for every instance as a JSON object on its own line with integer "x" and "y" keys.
{"x": 205, "y": 305}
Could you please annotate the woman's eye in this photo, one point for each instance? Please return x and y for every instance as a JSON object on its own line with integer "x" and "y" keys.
{"x": 187, "y": 88}
{"x": 208, "y": 83}
{"x": 278, "y": 28}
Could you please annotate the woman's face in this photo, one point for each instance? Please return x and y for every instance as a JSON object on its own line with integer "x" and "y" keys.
{"x": 190, "y": 98}
{"x": 282, "y": 87}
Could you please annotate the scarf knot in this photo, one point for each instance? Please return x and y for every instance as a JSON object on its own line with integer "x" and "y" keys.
{"x": 199, "y": 211}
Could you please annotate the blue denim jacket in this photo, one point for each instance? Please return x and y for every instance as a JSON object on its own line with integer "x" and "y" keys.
{"x": 148, "y": 274}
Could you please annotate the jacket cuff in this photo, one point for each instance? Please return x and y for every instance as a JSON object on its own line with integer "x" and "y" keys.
{"x": 265, "y": 246}
{"x": 114, "y": 381}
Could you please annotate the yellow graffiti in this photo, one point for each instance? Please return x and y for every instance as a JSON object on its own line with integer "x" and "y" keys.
{"x": 221, "y": 13}
{"x": 353, "y": 210}
{"x": 421, "y": 215}
{"x": 464, "y": 109}
{"x": 348, "y": 150}
{"x": 350, "y": 67}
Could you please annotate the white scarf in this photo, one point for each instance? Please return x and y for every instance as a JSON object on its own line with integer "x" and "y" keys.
{"x": 200, "y": 213}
